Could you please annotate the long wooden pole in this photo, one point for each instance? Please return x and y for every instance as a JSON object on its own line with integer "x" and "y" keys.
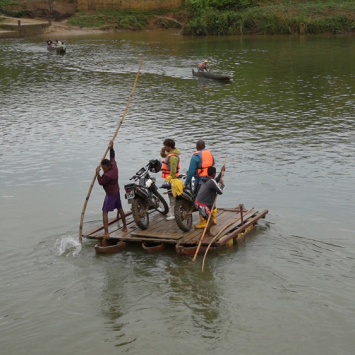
{"x": 209, "y": 217}
{"x": 113, "y": 138}
{"x": 218, "y": 234}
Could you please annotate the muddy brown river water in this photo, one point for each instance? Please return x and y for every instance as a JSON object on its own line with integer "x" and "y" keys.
{"x": 286, "y": 123}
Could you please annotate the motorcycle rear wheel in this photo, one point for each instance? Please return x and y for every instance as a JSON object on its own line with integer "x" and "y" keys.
{"x": 163, "y": 207}
{"x": 183, "y": 215}
{"x": 140, "y": 213}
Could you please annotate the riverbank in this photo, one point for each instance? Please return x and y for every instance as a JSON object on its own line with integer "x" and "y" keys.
{"x": 267, "y": 17}
{"x": 264, "y": 17}
{"x": 55, "y": 29}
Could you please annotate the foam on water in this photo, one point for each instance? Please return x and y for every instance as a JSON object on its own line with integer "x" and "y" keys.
{"x": 68, "y": 246}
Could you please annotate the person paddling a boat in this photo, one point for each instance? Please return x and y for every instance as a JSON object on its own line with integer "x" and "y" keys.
{"x": 109, "y": 181}
{"x": 203, "y": 66}
{"x": 58, "y": 43}
{"x": 206, "y": 195}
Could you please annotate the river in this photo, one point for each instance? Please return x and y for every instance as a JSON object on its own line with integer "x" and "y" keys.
{"x": 286, "y": 123}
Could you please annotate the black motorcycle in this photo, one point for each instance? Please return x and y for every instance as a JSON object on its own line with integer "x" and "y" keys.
{"x": 144, "y": 195}
{"x": 184, "y": 205}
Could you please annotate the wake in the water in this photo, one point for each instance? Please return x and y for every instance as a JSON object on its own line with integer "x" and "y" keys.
{"x": 68, "y": 246}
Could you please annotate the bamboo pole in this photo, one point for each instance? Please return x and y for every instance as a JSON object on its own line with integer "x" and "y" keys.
{"x": 113, "y": 138}
{"x": 209, "y": 217}
{"x": 218, "y": 234}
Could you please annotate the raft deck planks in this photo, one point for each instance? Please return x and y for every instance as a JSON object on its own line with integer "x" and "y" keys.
{"x": 162, "y": 231}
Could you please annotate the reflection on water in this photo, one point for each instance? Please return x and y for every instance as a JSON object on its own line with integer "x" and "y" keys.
{"x": 286, "y": 123}
{"x": 190, "y": 300}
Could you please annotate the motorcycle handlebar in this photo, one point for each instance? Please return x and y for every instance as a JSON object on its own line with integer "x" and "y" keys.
{"x": 142, "y": 171}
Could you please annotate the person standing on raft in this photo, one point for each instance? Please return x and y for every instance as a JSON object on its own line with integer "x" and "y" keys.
{"x": 206, "y": 195}
{"x": 170, "y": 169}
{"x": 201, "y": 160}
{"x": 109, "y": 181}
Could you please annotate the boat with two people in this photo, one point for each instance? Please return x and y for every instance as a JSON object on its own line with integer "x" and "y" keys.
{"x": 56, "y": 46}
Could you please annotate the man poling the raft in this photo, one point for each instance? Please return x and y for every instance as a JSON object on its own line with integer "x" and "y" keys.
{"x": 112, "y": 140}
{"x": 109, "y": 181}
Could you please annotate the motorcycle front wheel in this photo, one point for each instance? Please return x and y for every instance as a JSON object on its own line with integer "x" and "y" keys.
{"x": 183, "y": 215}
{"x": 163, "y": 206}
{"x": 140, "y": 213}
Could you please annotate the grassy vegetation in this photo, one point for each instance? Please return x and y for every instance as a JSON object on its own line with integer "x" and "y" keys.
{"x": 225, "y": 17}
{"x": 4, "y": 4}
{"x": 130, "y": 20}
{"x": 272, "y": 17}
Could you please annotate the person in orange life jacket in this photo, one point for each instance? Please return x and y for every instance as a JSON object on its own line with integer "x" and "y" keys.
{"x": 206, "y": 195}
{"x": 109, "y": 181}
{"x": 201, "y": 160}
{"x": 170, "y": 167}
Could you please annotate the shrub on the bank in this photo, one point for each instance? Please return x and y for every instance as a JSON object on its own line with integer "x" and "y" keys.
{"x": 217, "y": 23}
{"x": 200, "y": 5}
{"x": 274, "y": 19}
{"x": 132, "y": 20}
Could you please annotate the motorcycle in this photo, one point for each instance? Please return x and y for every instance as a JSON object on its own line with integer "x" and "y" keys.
{"x": 185, "y": 205}
{"x": 144, "y": 195}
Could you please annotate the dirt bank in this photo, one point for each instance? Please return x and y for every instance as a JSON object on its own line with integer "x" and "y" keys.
{"x": 63, "y": 28}
{"x": 57, "y": 28}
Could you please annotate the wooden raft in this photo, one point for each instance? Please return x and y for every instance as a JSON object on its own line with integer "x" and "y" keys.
{"x": 162, "y": 232}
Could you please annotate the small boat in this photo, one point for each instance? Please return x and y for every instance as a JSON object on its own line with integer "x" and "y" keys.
{"x": 209, "y": 75}
{"x": 58, "y": 49}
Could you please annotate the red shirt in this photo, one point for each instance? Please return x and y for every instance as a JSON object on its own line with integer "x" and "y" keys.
{"x": 109, "y": 180}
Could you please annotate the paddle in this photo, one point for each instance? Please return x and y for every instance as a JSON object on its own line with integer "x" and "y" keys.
{"x": 113, "y": 138}
{"x": 209, "y": 217}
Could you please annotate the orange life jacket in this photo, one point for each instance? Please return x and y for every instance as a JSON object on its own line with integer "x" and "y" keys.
{"x": 206, "y": 160}
{"x": 166, "y": 168}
